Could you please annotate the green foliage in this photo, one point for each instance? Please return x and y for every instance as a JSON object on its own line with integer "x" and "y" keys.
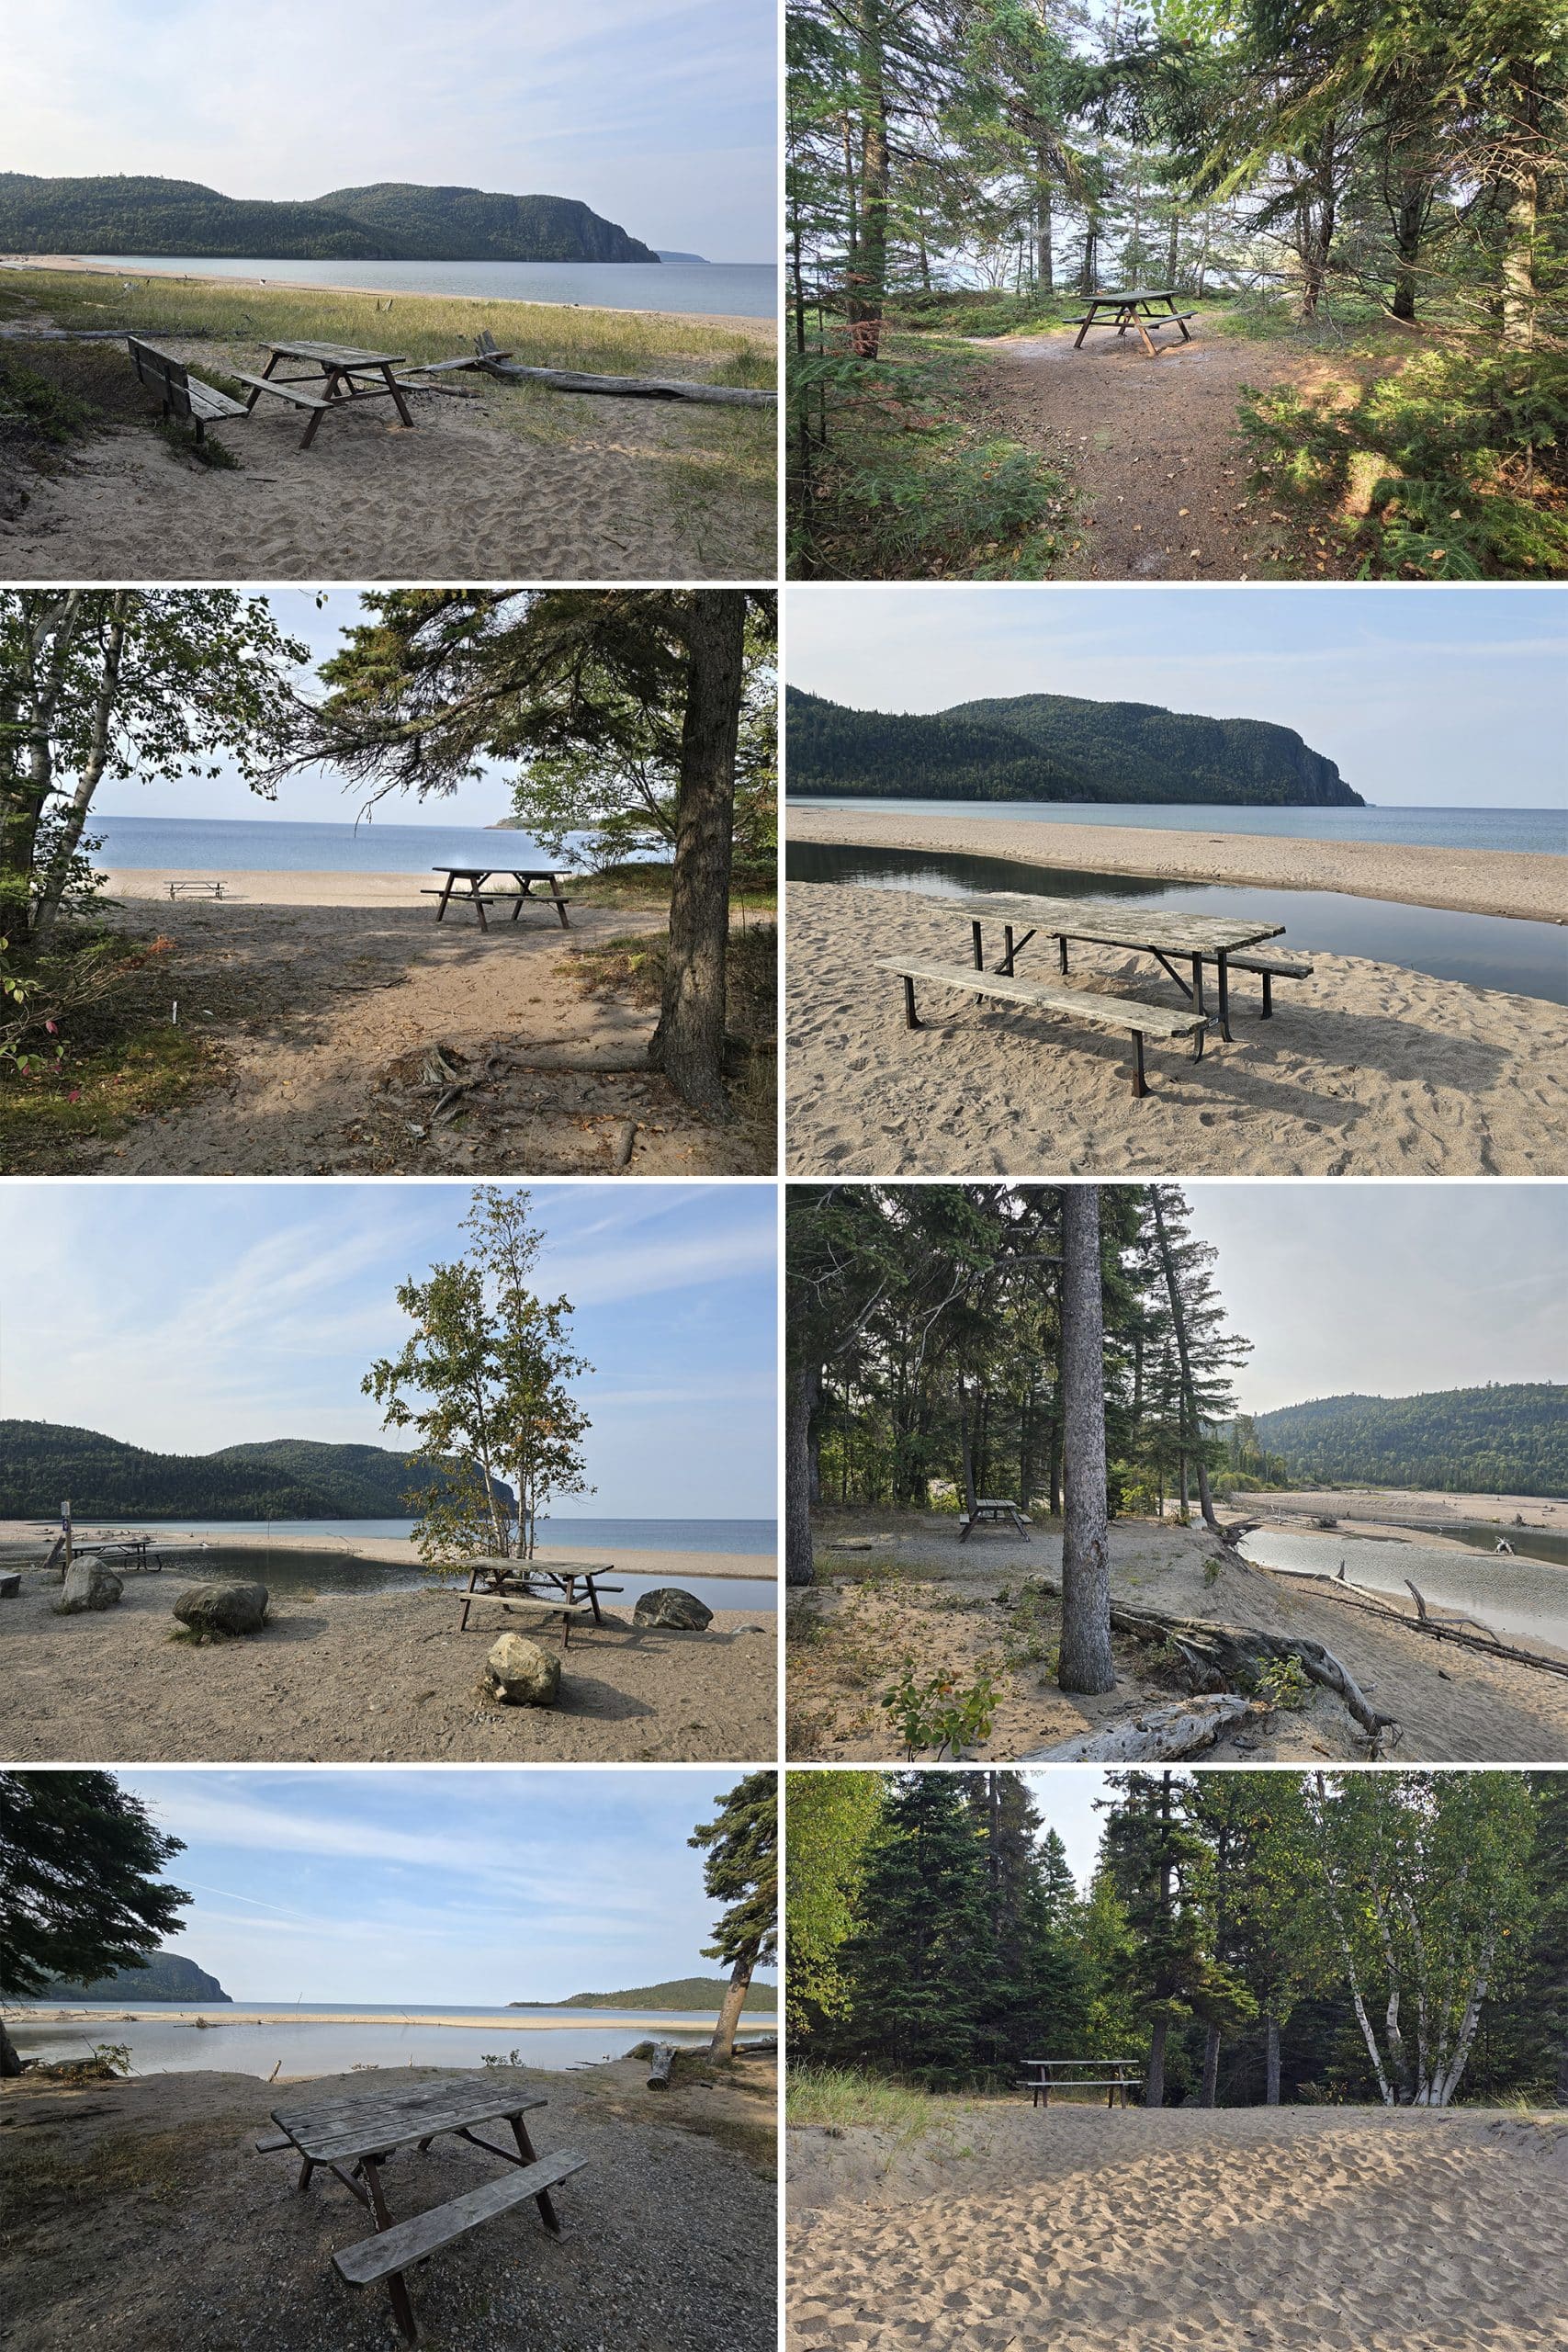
{"x": 181, "y": 441}
{"x": 281, "y": 1478}
{"x": 920, "y": 1964}
{"x": 389, "y": 220}
{"x": 80, "y": 1891}
{"x": 1283, "y": 1683}
{"x": 1459, "y": 460}
{"x": 693, "y": 1994}
{"x": 740, "y": 1870}
{"x": 30, "y": 400}
{"x": 1056, "y": 747}
{"x": 940, "y": 1714}
{"x": 1506, "y": 1438}
{"x": 832, "y": 1818}
{"x": 837, "y": 2097}
{"x": 165, "y": 1976}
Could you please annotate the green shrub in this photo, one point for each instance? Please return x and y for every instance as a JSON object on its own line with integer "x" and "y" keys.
{"x": 938, "y": 1714}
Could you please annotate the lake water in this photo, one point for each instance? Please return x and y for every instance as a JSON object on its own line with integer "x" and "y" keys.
{"x": 1521, "y": 1599}
{"x": 1486, "y": 951}
{"x": 161, "y": 2046}
{"x": 1537, "y": 830}
{"x": 333, "y": 1573}
{"x": 282, "y": 845}
{"x": 740, "y": 289}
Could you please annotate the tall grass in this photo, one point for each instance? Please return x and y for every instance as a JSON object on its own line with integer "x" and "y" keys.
{"x": 839, "y": 2096}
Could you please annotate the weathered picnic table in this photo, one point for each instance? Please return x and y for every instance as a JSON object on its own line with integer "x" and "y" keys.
{"x": 477, "y": 894}
{"x": 992, "y": 1510}
{"x": 341, "y": 374}
{"x": 1135, "y": 308}
{"x": 565, "y": 1586}
{"x": 353, "y": 2138}
{"x": 1115, "y": 2076}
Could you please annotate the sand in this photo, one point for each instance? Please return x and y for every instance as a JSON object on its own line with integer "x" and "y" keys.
{"x": 321, "y": 995}
{"x": 486, "y": 486}
{"x": 377, "y": 1677}
{"x": 1474, "y": 881}
{"x": 141, "y": 2219}
{"x": 957, "y": 1607}
{"x": 31, "y": 1539}
{"x": 1365, "y": 1070}
{"x": 1241, "y": 2230}
{"x": 1409, "y": 1510}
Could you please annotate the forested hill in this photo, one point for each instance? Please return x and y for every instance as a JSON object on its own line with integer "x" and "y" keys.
{"x": 699, "y": 1995}
{"x": 41, "y": 1462}
{"x": 1496, "y": 1440}
{"x": 392, "y": 220}
{"x": 168, "y": 1976}
{"x": 1056, "y": 747}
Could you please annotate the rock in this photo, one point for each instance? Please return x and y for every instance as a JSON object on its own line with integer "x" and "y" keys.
{"x": 681, "y": 1612}
{"x": 520, "y": 1674}
{"x": 89, "y": 1585}
{"x": 223, "y": 1608}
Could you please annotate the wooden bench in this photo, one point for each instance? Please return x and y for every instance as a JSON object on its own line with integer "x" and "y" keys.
{"x": 1044, "y": 2075}
{"x": 196, "y": 890}
{"x": 994, "y": 1509}
{"x": 199, "y": 404}
{"x": 516, "y": 899}
{"x": 548, "y": 1604}
{"x": 1130, "y": 1016}
{"x": 391, "y": 2252}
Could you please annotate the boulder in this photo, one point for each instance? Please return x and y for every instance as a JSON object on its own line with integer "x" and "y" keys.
{"x": 223, "y": 1608}
{"x": 88, "y": 1584}
{"x": 520, "y": 1674}
{"x": 683, "y": 1612}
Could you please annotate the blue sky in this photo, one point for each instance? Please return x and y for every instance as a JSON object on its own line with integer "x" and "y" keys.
{"x": 659, "y": 114}
{"x": 1457, "y": 698}
{"x": 187, "y": 1317}
{"x": 1389, "y": 1290}
{"x": 473, "y": 1888}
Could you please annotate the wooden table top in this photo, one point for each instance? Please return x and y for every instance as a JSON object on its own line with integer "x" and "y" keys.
{"x": 1137, "y": 294}
{"x": 524, "y": 873}
{"x": 1114, "y": 925}
{"x": 340, "y": 355}
{"x": 494, "y": 1564}
{"x": 330, "y": 2130}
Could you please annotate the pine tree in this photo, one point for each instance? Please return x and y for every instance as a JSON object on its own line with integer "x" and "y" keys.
{"x": 921, "y": 1965}
{"x": 742, "y": 1870}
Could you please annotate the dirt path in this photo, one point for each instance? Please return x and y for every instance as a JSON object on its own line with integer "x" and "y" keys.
{"x": 1154, "y": 448}
{"x": 326, "y": 1020}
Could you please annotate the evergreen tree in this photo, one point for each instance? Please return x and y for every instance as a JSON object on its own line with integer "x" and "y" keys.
{"x": 920, "y": 1966}
{"x": 742, "y": 1872}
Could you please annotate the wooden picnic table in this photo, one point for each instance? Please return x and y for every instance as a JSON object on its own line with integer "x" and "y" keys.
{"x": 341, "y": 374}
{"x": 1192, "y": 939}
{"x": 353, "y": 2138}
{"x": 993, "y": 1509}
{"x": 1115, "y": 2076}
{"x": 1135, "y": 308}
{"x": 478, "y": 897}
{"x": 571, "y": 1582}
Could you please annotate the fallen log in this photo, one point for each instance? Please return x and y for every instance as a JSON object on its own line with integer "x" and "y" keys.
{"x": 1159, "y": 1734}
{"x": 1496, "y": 1648}
{"x": 658, "y": 2065}
{"x": 1221, "y": 1657}
{"x": 641, "y": 387}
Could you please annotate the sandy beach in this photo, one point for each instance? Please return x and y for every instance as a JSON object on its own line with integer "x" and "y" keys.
{"x": 957, "y": 1608}
{"x": 377, "y": 1677}
{"x": 1239, "y": 2229}
{"x": 31, "y": 1537}
{"x": 142, "y": 2219}
{"x": 319, "y": 997}
{"x": 1474, "y": 881}
{"x": 1382, "y": 1510}
{"x": 1366, "y": 1069}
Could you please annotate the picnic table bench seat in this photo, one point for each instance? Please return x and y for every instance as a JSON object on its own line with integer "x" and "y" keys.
{"x": 183, "y": 394}
{"x": 406, "y": 2243}
{"x": 1132, "y": 1016}
{"x": 1270, "y": 969}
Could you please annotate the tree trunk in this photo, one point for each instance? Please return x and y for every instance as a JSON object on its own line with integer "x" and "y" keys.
{"x": 723, "y": 2043}
{"x": 1154, "y": 2082}
{"x": 967, "y": 1445}
{"x": 1271, "y": 2061}
{"x": 10, "y": 2061}
{"x": 1520, "y": 291}
{"x": 1190, "y": 1419}
{"x": 688, "y": 1044}
{"x": 1172, "y": 247}
{"x": 1086, "y": 1662}
{"x": 1210, "y": 2066}
{"x": 802, "y": 1389}
{"x": 1045, "y": 264}
{"x": 868, "y": 276}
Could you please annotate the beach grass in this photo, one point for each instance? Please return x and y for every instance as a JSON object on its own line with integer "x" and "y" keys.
{"x": 836, "y": 2098}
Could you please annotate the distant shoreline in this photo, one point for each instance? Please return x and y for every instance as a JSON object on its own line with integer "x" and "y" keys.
{"x": 155, "y": 2014}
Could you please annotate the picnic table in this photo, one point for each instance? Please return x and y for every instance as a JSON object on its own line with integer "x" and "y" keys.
{"x": 1115, "y": 2076}
{"x": 567, "y": 1586}
{"x": 1194, "y": 940}
{"x": 136, "y": 1552}
{"x": 353, "y": 2138}
{"x": 477, "y": 895}
{"x": 993, "y": 1510}
{"x": 1135, "y": 308}
{"x": 340, "y": 374}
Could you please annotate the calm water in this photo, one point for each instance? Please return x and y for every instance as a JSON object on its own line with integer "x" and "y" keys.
{"x": 1521, "y": 1599}
{"x": 737, "y": 289}
{"x": 281, "y": 845}
{"x": 330, "y": 1571}
{"x": 161, "y": 2046}
{"x": 1488, "y": 951}
{"x": 1537, "y": 830}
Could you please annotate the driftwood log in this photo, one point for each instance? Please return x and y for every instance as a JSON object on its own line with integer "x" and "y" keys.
{"x": 658, "y": 2065}
{"x": 642, "y": 388}
{"x": 1158, "y": 1735}
{"x": 1440, "y": 1630}
{"x": 1218, "y": 1658}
